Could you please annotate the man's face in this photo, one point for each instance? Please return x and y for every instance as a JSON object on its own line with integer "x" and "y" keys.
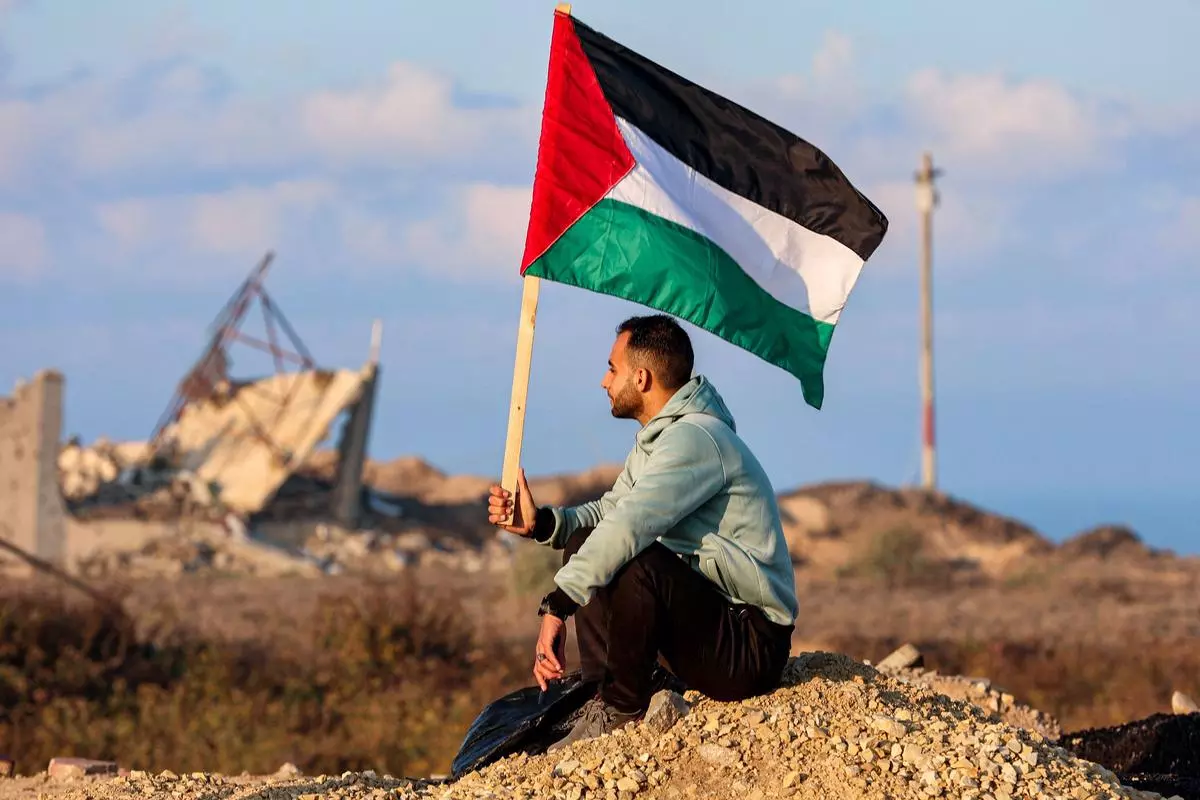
{"x": 619, "y": 383}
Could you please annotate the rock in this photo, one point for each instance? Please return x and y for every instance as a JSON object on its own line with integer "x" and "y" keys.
{"x": 628, "y": 785}
{"x": 715, "y": 754}
{"x": 904, "y": 657}
{"x": 288, "y": 770}
{"x": 61, "y": 768}
{"x": 1182, "y": 704}
{"x": 889, "y": 726}
{"x": 666, "y": 708}
{"x": 6, "y": 767}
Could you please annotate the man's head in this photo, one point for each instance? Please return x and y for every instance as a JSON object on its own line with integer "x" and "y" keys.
{"x": 650, "y": 359}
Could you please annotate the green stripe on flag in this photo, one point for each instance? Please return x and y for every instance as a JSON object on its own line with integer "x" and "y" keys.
{"x": 627, "y": 252}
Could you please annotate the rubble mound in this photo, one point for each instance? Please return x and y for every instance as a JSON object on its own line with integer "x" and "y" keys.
{"x": 836, "y": 728}
{"x": 981, "y": 692}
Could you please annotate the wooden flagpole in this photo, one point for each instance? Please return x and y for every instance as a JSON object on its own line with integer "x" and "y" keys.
{"x": 520, "y": 385}
{"x": 524, "y": 359}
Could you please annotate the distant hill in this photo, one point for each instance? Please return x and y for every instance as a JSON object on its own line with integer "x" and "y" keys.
{"x": 835, "y": 529}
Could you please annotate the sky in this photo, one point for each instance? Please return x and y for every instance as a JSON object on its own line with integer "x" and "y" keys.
{"x": 151, "y": 152}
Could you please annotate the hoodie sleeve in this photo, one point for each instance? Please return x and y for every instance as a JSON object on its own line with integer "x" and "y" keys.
{"x": 556, "y": 523}
{"x": 684, "y": 471}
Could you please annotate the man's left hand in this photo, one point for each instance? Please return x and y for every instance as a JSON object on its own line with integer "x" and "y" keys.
{"x": 550, "y": 654}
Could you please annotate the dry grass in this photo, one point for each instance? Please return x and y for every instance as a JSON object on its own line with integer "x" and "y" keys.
{"x": 387, "y": 683}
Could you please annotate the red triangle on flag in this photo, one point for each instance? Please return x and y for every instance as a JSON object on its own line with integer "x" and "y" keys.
{"x": 581, "y": 154}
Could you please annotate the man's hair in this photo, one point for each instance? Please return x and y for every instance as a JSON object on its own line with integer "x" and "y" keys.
{"x": 661, "y": 344}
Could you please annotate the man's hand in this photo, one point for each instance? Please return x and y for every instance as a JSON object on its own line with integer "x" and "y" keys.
{"x": 550, "y": 654}
{"x": 500, "y": 501}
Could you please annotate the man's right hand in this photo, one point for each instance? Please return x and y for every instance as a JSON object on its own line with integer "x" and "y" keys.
{"x": 500, "y": 501}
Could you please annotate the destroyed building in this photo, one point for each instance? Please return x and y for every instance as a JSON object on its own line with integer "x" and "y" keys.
{"x": 252, "y": 465}
{"x": 237, "y": 445}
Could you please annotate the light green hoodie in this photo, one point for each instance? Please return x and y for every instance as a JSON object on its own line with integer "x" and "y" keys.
{"x": 692, "y": 484}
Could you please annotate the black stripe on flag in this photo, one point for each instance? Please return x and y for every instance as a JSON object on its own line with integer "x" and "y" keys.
{"x": 732, "y": 146}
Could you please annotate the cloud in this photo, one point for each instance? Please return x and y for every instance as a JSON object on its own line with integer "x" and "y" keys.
{"x": 235, "y": 224}
{"x": 833, "y": 58}
{"x": 1019, "y": 130}
{"x": 249, "y": 220}
{"x": 1181, "y": 232}
{"x": 816, "y": 104}
{"x": 23, "y": 248}
{"x": 477, "y": 233}
{"x": 176, "y": 116}
{"x": 412, "y": 112}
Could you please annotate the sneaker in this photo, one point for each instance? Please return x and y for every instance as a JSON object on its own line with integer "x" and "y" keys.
{"x": 596, "y": 718}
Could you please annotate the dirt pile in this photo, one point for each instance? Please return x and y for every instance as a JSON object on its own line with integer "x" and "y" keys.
{"x": 836, "y": 729}
{"x": 978, "y": 691}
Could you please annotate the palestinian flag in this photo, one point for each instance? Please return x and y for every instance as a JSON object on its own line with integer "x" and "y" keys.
{"x": 651, "y": 188}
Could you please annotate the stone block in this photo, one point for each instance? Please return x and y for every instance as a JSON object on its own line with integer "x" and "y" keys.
{"x": 66, "y": 768}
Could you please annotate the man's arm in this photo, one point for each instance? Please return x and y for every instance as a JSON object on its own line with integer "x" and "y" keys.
{"x": 684, "y": 472}
{"x": 554, "y": 524}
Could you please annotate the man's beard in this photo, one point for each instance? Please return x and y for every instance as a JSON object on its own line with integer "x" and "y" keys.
{"x": 627, "y": 404}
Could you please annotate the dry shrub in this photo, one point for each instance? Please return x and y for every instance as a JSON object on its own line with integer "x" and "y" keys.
{"x": 897, "y": 558}
{"x": 391, "y": 682}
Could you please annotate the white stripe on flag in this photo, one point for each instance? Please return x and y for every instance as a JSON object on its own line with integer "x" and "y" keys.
{"x": 808, "y": 271}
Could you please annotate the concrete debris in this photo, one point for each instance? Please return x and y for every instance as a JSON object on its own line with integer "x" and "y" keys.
{"x": 1182, "y": 704}
{"x": 666, "y": 709}
{"x": 143, "y": 550}
{"x": 904, "y": 657}
{"x": 68, "y": 768}
{"x": 245, "y": 440}
{"x": 231, "y": 451}
{"x": 981, "y": 693}
{"x": 32, "y": 516}
{"x": 232, "y": 445}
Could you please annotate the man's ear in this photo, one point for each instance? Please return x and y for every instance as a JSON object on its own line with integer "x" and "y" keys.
{"x": 642, "y": 378}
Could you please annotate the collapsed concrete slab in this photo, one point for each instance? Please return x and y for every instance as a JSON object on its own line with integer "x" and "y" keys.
{"x": 239, "y": 444}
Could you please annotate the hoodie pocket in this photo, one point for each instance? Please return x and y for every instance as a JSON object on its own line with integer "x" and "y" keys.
{"x": 715, "y": 572}
{"x": 711, "y": 572}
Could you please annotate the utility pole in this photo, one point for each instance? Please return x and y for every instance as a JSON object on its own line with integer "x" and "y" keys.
{"x": 926, "y": 200}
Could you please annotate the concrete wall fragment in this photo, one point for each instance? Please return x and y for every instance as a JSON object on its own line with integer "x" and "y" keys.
{"x": 32, "y": 516}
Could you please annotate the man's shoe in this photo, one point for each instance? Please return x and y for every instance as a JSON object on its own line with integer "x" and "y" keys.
{"x": 597, "y": 718}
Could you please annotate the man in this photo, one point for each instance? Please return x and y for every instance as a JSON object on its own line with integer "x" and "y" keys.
{"x": 684, "y": 558}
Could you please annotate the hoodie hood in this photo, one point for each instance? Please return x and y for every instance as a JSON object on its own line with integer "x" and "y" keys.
{"x": 697, "y": 396}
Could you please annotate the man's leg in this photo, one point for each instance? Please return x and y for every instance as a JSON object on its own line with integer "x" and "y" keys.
{"x": 657, "y": 603}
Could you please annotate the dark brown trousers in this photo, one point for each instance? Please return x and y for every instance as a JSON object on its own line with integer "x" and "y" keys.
{"x": 656, "y": 605}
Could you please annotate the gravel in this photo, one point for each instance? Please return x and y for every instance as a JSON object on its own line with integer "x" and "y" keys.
{"x": 835, "y": 729}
